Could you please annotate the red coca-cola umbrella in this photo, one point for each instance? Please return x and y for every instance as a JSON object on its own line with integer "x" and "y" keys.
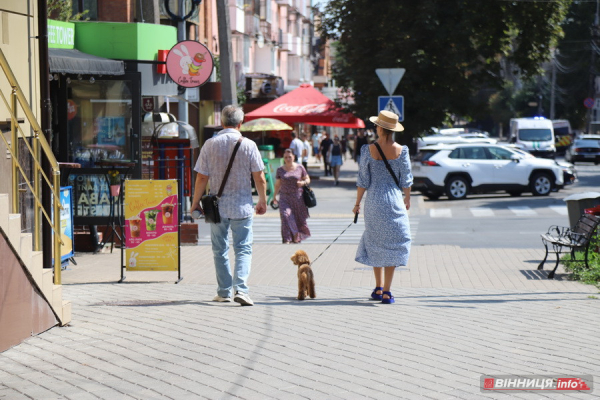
{"x": 306, "y": 104}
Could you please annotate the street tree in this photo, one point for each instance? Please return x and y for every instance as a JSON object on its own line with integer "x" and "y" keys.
{"x": 451, "y": 50}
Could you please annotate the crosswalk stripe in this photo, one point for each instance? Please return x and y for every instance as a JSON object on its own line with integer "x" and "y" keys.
{"x": 482, "y": 211}
{"x": 562, "y": 210}
{"x": 323, "y": 230}
{"x": 488, "y": 212}
{"x": 522, "y": 211}
{"x": 440, "y": 213}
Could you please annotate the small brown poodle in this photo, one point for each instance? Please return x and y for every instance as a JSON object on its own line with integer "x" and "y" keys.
{"x": 306, "y": 279}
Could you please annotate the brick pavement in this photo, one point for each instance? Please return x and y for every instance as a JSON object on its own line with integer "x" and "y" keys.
{"x": 460, "y": 313}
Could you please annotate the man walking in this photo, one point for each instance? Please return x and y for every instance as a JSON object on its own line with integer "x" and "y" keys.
{"x": 296, "y": 145}
{"x": 235, "y": 205}
{"x": 324, "y": 148}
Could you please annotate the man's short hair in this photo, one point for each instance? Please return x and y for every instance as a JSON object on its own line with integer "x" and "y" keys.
{"x": 293, "y": 134}
{"x": 232, "y": 116}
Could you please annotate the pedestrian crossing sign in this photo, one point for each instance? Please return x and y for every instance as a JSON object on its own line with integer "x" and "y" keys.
{"x": 394, "y": 104}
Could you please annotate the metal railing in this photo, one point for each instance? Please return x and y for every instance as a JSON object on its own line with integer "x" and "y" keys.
{"x": 39, "y": 176}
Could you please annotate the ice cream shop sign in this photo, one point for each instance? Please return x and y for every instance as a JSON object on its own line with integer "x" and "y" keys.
{"x": 189, "y": 63}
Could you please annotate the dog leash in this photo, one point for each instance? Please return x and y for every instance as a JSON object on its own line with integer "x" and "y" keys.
{"x": 334, "y": 240}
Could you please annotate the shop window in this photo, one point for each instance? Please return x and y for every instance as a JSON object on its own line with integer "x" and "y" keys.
{"x": 99, "y": 121}
{"x": 91, "y": 6}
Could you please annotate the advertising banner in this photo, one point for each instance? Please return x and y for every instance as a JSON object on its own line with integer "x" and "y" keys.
{"x": 66, "y": 223}
{"x": 151, "y": 212}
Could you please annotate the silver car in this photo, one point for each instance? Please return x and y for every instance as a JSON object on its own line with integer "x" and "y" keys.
{"x": 584, "y": 148}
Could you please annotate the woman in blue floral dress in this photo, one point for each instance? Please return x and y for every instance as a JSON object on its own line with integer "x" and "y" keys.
{"x": 385, "y": 243}
{"x": 288, "y": 184}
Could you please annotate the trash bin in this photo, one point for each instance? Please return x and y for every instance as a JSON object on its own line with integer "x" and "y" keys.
{"x": 577, "y": 203}
{"x": 267, "y": 151}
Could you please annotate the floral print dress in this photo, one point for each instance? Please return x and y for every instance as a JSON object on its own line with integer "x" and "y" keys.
{"x": 292, "y": 210}
{"x": 386, "y": 239}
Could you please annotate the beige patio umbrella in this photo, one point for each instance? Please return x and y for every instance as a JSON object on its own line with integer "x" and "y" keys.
{"x": 263, "y": 125}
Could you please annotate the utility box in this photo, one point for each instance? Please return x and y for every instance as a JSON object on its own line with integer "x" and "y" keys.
{"x": 577, "y": 203}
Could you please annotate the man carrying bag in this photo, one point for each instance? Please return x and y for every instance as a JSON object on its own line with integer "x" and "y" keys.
{"x": 235, "y": 206}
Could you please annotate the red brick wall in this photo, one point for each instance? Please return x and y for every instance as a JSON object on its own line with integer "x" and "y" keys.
{"x": 116, "y": 10}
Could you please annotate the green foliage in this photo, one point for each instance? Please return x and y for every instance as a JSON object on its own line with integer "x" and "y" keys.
{"x": 217, "y": 63}
{"x": 574, "y": 68}
{"x": 62, "y": 10}
{"x": 591, "y": 275}
{"x": 451, "y": 50}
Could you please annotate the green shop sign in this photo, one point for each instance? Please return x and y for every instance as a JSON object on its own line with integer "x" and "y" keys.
{"x": 61, "y": 35}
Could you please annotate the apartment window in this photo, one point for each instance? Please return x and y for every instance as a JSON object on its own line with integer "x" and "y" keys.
{"x": 252, "y": 6}
{"x": 246, "y": 53}
{"x": 268, "y": 10}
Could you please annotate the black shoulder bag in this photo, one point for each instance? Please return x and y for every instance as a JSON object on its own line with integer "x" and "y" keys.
{"x": 310, "y": 200}
{"x": 387, "y": 165}
{"x": 210, "y": 202}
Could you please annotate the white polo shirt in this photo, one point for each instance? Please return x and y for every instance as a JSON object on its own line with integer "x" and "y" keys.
{"x": 236, "y": 201}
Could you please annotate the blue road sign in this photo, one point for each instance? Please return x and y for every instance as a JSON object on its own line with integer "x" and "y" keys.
{"x": 394, "y": 104}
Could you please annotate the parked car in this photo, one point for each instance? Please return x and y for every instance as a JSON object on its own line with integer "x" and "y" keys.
{"x": 584, "y": 148}
{"x": 460, "y": 169}
{"x": 442, "y": 138}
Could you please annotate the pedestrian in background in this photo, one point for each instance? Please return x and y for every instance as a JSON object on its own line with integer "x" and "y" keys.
{"x": 289, "y": 180}
{"x": 385, "y": 243}
{"x": 334, "y": 155}
{"x": 316, "y": 141}
{"x": 235, "y": 205}
{"x": 296, "y": 146}
{"x": 360, "y": 141}
{"x": 344, "y": 143}
{"x": 324, "y": 149}
{"x": 305, "y": 150}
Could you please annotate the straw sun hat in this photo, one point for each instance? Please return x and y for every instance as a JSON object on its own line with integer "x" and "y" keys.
{"x": 387, "y": 120}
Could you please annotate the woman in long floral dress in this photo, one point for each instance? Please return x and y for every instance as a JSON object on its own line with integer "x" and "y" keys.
{"x": 290, "y": 178}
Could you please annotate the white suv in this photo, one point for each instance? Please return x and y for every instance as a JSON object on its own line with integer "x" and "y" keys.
{"x": 459, "y": 169}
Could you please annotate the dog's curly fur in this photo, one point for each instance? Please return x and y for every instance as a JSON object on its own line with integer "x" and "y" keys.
{"x": 306, "y": 279}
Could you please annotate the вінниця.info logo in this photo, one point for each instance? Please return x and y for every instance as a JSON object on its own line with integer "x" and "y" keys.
{"x": 581, "y": 383}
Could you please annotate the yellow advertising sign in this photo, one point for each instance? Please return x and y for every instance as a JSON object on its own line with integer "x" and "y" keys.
{"x": 151, "y": 210}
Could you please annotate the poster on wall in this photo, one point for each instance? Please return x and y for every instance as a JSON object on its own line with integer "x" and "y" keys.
{"x": 151, "y": 210}
{"x": 110, "y": 130}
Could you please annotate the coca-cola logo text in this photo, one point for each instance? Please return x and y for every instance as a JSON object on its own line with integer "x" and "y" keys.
{"x": 305, "y": 109}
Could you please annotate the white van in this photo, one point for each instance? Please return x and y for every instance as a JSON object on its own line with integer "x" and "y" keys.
{"x": 534, "y": 135}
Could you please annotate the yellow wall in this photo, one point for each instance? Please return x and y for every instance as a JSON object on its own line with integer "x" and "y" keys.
{"x": 18, "y": 28}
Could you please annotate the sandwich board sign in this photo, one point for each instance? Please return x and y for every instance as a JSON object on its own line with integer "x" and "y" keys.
{"x": 394, "y": 104}
{"x": 390, "y": 78}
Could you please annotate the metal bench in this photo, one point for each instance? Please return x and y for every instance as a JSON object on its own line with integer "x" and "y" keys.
{"x": 577, "y": 238}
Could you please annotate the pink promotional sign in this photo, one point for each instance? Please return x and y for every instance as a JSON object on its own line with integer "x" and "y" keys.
{"x": 189, "y": 63}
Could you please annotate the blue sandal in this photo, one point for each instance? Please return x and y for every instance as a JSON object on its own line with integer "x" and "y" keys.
{"x": 375, "y": 296}
{"x": 387, "y": 301}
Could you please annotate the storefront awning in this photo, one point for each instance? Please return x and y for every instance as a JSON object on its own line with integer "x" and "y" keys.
{"x": 71, "y": 61}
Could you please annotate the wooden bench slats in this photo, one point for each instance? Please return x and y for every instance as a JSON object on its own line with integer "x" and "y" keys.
{"x": 578, "y": 237}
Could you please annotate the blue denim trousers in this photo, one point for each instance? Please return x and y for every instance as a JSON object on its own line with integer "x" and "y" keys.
{"x": 241, "y": 230}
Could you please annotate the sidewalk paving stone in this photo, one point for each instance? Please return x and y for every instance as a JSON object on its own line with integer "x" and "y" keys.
{"x": 459, "y": 313}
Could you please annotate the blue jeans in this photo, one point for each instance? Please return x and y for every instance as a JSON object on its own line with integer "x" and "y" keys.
{"x": 242, "y": 246}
